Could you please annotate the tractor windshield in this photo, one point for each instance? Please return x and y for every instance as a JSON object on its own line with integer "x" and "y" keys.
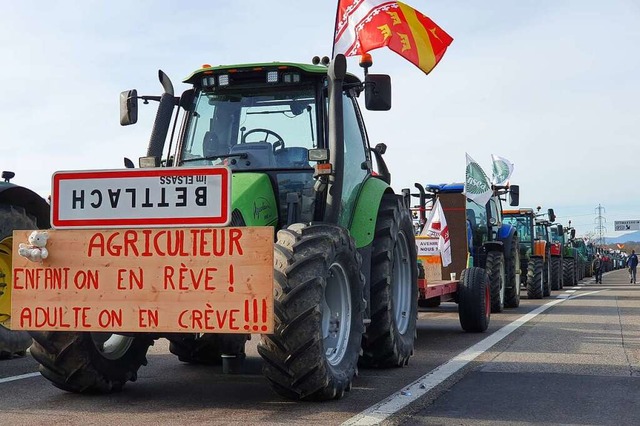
{"x": 523, "y": 226}
{"x": 250, "y": 130}
{"x": 541, "y": 232}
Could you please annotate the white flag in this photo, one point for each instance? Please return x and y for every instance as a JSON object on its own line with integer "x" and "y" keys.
{"x": 476, "y": 183}
{"x": 437, "y": 227}
{"x": 502, "y": 170}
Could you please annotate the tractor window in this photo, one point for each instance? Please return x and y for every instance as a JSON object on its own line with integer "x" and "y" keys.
{"x": 249, "y": 130}
{"x": 477, "y": 218}
{"x": 522, "y": 225}
{"x": 541, "y": 233}
{"x": 495, "y": 209}
{"x": 355, "y": 154}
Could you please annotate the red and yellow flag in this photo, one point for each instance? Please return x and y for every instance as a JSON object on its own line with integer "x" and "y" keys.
{"x": 364, "y": 25}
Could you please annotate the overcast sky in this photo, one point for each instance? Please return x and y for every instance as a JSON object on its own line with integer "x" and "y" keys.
{"x": 552, "y": 85}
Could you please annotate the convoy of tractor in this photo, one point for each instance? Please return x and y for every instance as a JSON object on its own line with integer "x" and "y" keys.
{"x": 350, "y": 266}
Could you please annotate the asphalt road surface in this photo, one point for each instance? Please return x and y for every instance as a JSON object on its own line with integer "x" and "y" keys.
{"x": 572, "y": 358}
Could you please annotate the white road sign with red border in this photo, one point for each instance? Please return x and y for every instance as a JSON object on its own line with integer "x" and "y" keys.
{"x": 151, "y": 197}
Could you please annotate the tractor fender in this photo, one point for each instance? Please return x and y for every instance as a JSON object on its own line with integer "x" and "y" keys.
{"x": 33, "y": 203}
{"x": 494, "y": 246}
{"x": 363, "y": 224}
{"x": 506, "y": 235}
{"x": 506, "y": 231}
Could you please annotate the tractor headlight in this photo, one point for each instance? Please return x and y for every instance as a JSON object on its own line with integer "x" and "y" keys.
{"x": 272, "y": 77}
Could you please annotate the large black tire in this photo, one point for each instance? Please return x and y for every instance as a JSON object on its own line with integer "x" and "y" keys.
{"x": 535, "y": 278}
{"x": 389, "y": 339}
{"x": 556, "y": 273}
{"x": 88, "y": 362}
{"x": 207, "y": 348}
{"x": 568, "y": 272}
{"x": 319, "y": 313}
{"x": 474, "y": 300}
{"x": 497, "y": 276}
{"x": 512, "y": 292}
{"x": 546, "y": 289}
{"x": 12, "y": 343}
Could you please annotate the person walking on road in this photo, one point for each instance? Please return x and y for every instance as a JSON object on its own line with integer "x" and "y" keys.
{"x": 597, "y": 267}
{"x": 632, "y": 263}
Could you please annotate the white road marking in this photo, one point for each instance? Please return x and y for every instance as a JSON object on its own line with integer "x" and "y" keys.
{"x": 384, "y": 409}
{"x": 571, "y": 291}
{"x": 20, "y": 377}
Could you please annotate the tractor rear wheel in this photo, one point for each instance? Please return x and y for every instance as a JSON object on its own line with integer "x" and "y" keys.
{"x": 556, "y": 273}
{"x": 389, "y": 339}
{"x": 474, "y": 300}
{"x": 319, "y": 313}
{"x": 12, "y": 343}
{"x": 535, "y": 278}
{"x": 89, "y": 362}
{"x": 512, "y": 292}
{"x": 497, "y": 276}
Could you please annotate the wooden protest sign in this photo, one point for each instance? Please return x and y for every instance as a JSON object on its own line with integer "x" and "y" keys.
{"x": 191, "y": 280}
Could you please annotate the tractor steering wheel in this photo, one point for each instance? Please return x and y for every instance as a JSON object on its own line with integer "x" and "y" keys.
{"x": 279, "y": 142}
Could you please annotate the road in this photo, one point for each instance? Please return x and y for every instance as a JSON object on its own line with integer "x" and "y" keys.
{"x": 573, "y": 358}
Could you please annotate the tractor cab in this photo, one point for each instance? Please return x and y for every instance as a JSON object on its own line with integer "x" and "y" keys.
{"x": 268, "y": 123}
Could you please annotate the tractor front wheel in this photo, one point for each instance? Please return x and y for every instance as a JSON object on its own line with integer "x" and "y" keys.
{"x": 89, "y": 362}
{"x": 319, "y": 313}
{"x": 390, "y": 337}
{"x": 568, "y": 273}
{"x": 512, "y": 292}
{"x": 535, "y": 278}
{"x": 496, "y": 270}
{"x": 474, "y": 300}
{"x": 556, "y": 273}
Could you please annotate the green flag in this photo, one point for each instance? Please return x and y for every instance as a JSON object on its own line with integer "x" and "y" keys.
{"x": 476, "y": 183}
{"x": 502, "y": 170}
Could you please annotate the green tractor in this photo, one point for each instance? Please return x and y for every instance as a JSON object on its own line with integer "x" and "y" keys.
{"x": 345, "y": 266}
{"x": 20, "y": 208}
{"x": 538, "y": 273}
{"x": 572, "y": 260}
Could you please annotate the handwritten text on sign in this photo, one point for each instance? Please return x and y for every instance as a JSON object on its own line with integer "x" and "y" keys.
{"x": 209, "y": 280}
{"x": 427, "y": 246}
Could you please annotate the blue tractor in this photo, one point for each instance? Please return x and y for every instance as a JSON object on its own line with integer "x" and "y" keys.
{"x": 491, "y": 243}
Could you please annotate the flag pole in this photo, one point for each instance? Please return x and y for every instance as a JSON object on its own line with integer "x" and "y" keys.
{"x": 335, "y": 28}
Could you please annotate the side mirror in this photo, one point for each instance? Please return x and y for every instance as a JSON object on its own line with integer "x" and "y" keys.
{"x": 377, "y": 92}
{"x": 560, "y": 230}
{"x": 573, "y": 234}
{"x": 552, "y": 215}
{"x": 380, "y": 148}
{"x": 514, "y": 195}
{"x": 128, "y": 107}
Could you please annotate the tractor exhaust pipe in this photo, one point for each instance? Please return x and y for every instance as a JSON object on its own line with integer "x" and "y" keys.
{"x": 163, "y": 117}
{"x": 336, "y": 73}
